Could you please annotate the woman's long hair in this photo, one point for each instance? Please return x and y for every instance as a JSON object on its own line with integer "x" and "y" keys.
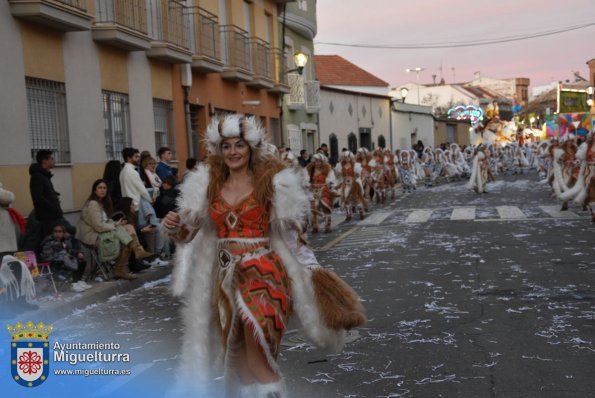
{"x": 263, "y": 165}
{"x": 106, "y": 202}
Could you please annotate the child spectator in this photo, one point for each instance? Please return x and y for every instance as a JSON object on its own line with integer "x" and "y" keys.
{"x": 57, "y": 249}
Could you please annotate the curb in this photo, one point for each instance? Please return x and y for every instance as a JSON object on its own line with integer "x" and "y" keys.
{"x": 69, "y": 302}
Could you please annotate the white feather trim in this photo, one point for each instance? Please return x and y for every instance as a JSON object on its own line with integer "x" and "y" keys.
{"x": 291, "y": 200}
{"x": 193, "y": 201}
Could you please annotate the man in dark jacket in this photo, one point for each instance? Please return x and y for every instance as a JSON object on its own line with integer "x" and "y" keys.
{"x": 45, "y": 199}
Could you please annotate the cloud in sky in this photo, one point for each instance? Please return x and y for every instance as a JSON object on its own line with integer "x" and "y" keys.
{"x": 398, "y": 22}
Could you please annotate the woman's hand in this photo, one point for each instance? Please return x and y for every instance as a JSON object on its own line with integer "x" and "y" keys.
{"x": 171, "y": 220}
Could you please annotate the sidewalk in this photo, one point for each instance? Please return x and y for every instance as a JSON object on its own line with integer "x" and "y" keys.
{"x": 52, "y": 308}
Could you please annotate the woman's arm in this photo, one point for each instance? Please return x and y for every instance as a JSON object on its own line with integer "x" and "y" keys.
{"x": 173, "y": 227}
{"x": 95, "y": 219}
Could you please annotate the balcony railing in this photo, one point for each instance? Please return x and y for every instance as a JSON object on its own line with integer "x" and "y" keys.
{"x": 279, "y": 71}
{"x": 130, "y": 14}
{"x": 261, "y": 58}
{"x": 312, "y": 89}
{"x": 262, "y": 65}
{"x": 169, "y": 23}
{"x": 122, "y": 24}
{"x": 296, "y": 98}
{"x": 207, "y": 45}
{"x": 236, "y": 58}
{"x": 237, "y": 47}
{"x": 63, "y": 15}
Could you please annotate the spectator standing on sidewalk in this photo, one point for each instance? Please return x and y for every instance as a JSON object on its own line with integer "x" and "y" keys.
{"x": 133, "y": 187}
{"x": 46, "y": 200}
{"x": 163, "y": 169}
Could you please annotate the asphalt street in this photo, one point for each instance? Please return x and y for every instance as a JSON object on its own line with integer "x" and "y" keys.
{"x": 467, "y": 296}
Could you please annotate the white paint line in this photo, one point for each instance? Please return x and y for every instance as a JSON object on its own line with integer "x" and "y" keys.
{"x": 510, "y": 212}
{"x": 419, "y": 216}
{"x": 375, "y": 218}
{"x": 463, "y": 213}
{"x": 555, "y": 212}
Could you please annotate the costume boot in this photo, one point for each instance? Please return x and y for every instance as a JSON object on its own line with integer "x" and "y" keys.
{"x": 327, "y": 227}
{"x": 139, "y": 251}
{"x": 121, "y": 270}
{"x": 271, "y": 390}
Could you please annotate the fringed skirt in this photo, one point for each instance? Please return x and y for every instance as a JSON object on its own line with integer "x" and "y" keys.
{"x": 254, "y": 291}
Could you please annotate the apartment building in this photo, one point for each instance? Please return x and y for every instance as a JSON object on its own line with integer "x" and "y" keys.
{"x": 87, "y": 78}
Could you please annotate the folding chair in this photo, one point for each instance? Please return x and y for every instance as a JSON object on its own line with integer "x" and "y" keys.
{"x": 98, "y": 267}
{"x": 38, "y": 271}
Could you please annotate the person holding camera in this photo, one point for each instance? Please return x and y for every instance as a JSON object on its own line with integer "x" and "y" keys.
{"x": 94, "y": 222}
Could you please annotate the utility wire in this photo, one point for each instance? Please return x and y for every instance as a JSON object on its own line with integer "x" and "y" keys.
{"x": 472, "y": 43}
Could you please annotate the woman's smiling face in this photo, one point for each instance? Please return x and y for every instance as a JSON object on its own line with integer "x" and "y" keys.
{"x": 236, "y": 153}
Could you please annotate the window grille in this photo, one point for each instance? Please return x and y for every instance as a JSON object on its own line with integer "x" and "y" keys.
{"x": 163, "y": 114}
{"x": 47, "y": 118}
{"x": 116, "y": 117}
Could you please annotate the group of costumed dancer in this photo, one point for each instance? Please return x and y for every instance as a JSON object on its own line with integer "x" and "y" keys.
{"x": 243, "y": 265}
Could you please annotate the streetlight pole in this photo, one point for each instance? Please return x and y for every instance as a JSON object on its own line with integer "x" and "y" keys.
{"x": 417, "y": 71}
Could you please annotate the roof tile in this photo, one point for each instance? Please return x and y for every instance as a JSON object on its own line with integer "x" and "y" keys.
{"x": 336, "y": 70}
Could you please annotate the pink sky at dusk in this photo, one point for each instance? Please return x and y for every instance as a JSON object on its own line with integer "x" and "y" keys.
{"x": 399, "y": 22}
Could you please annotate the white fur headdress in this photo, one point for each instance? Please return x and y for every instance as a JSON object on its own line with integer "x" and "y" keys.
{"x": 235, "y": 125}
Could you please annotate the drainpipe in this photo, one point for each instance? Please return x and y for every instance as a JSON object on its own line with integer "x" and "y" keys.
{"x": 186, "y": 79}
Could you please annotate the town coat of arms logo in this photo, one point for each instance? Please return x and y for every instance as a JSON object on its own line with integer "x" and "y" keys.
{"x": 30, "y": 353}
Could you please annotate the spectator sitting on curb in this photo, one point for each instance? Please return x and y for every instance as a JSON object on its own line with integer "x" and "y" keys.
{"x": 57, "y": 249}
{"x": 147, "y": 233}
{"x": 94, "y": 222}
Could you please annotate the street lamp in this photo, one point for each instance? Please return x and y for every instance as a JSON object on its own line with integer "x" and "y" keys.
{"x": 300, "y": 59}
{"x": 404, "y": 91}
{"x": 417, "y": 71}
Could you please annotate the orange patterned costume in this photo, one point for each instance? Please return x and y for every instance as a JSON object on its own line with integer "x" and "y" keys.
{"x": 249, "y": 267}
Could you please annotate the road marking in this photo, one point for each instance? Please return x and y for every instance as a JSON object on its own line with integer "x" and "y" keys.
{"x": 555, "y": 212}
{"x": 375, "y": 218}
{"x": 510, "y": 212}
{"x": 418, "y": 216}
{"x": 338, "y": 239}
{"x": 463, "y": 213}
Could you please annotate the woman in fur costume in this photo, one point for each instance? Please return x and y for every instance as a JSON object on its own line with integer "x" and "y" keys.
{"x": 350, "y": 186}
{"x": 479, "y": 170}
{"x": 322, "y": 179}
{"x": 243, "y": 268}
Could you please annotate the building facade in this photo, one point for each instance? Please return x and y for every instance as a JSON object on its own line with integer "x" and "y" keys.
{"x": 86, "y": 78}
{"x": 301, "y": 104}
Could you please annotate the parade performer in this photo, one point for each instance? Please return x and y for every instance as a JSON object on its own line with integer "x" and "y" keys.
{"x": 242, "y": 268}
{"x": 479, "y": 170}
{"x": 378, "y": 181}
{"x": 583, "y": 192}
{"x": 391, "y": 172}
{"x": 428, "y": 164}
{"x": 363, "y": 157}
{"x": 322, "y": 179}
{"x": 566, "y": 168}
{"x": 406, "y": 172}
{"x": 350, "y": 186}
